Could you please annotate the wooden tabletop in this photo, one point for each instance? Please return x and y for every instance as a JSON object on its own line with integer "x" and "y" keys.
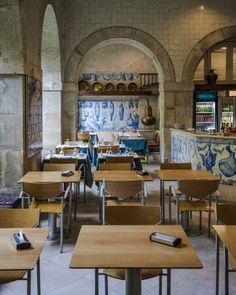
{"x": 12, "y": 259}
{"x": 227, "y": 234}
{"x": 49, "y": 176}
{"x": 128, "y": 175}
{"x": 172, "y": 175}
{"x": 117, "y": 246}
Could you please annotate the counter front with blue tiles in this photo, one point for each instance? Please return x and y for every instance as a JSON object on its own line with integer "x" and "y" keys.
{"x": 215, "y": 153}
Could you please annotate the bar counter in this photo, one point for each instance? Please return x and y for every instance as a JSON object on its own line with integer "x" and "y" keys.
{"x": 213, "y": 152}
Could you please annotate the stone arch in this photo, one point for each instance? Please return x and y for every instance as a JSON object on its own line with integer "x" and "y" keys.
{"x": 201, "y": 47}
{"x": 141, "y": 37}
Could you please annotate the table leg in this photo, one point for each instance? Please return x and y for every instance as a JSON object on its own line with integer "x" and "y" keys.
{"x": 217, "y": 263}
{"x": 52, "y": 221}
{"x": 38, "y": 278}
{"x": 162, "y": 202}
{"x": 226, "y": 272}
{"x": 168, "y": 284}
{"x": 133, "y": 281}
{"x": 29, "y": 282}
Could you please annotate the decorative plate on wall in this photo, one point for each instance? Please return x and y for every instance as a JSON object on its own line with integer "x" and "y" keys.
{"x": 83, "y": 85}
{"x": 133, "y": 87}
{"x": 97, "y": 86}
{"x": 120, "y": 87}
{"x": 109, "y": 87}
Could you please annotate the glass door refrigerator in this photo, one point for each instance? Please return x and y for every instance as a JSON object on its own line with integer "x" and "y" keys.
{"x": 227, "y": 107}
{"x": 205, "y": 112}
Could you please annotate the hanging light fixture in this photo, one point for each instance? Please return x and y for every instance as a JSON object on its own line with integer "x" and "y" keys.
{"x": 148, "y": 118}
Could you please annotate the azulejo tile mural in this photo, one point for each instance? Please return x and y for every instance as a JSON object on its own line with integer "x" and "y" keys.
{"x": 108, "y": 114}
{"x": 217, "y": 155}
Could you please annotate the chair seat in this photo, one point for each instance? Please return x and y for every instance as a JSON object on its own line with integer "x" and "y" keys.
{"x": 10, "y": 276}
{"x": 120, "y": 273}
{"x": 123, "y": 203}
{"x": 185, "y": 205}
{"x": 49, "y": 207}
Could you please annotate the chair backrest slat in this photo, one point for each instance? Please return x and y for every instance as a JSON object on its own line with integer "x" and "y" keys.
{"x": 15, "y": 218}
{"x": 175, "y": 166}
{"x": 58, "y": 166}
{"x": 63, "y": 160}
{"x": 132, "y": 215}
{"x": 226, "y": 213}
{"x": 115, "y": 166}
{"x": 198, "y": 188}
{"x": 42, "y": 191}
{"x": 128, "y": 159}
{"x": 123, "y": 189}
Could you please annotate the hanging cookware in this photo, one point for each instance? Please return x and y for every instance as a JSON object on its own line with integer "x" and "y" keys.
{"x": 148, "y": 118}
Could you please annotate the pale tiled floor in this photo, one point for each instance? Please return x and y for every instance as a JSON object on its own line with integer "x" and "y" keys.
{"x": 58, "y": 279}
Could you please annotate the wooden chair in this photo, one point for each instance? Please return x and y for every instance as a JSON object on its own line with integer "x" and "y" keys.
{"x": 49, "y": 198}
{"x": 70, "y": 151}
{"x": 123, "y": 193}
{"x": 173, "y": 166}
{"x": 18, "y": 218}
{"x": 112, "y": 149}
{"x": 200, "y": 192}
{"x": 115, "y": 166}
{"x": 132, "y": 215}
{"x": 80, "y": 168}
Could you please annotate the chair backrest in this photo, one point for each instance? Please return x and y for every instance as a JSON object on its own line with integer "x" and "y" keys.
{"x": 58, "y": 166}
{"x": 13, "y": 218}
{"x": 71, "y": 142}
{"x": 83, "y": 136}
{"x": 226, "y": 213}
{"x": 70, "y": 150}
{"x": 198, "y": 188}
{"x": 124, "y": 159}
{"x": 112, "y": 148}
{"x": 132, "y": 215}
{"x": 123, "y": 189}
{"x": 175, "y": 166}
{"x": 42, "y": 191}
{"x": 63, "y": 160}
{"x": 115, "y": 166}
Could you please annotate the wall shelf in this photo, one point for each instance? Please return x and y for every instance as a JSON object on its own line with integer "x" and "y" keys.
{"x": 118, "y": 93}
{"x": 206, "y": 87}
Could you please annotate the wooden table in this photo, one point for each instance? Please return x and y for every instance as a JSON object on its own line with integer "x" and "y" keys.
{"x": 54, "y": 177}
{"x": 16, "y": 260}
{"x": 50, "y": 176}
{"x": 227, "y": 234}
{"x": 178, "y": 175}
{"x": 129, "y": 247}
{"x": 129, "y": 175}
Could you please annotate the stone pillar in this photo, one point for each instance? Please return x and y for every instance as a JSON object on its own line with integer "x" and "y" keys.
{"x": 11, "y": 131}
{"x": 176, "y": 107}
{"x": 69, "y": 111}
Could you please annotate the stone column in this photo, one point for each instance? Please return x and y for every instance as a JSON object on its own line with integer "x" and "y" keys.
{"x": 176, "y": 107}
{"x": 69, "y": 111}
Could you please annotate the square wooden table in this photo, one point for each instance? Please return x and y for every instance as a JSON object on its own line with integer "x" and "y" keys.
{"x": 16, "y": 260}
{"x": 227, "y": 234}
{"x": 129, "y": 247}
{"x": 124, "y": 175}
{"x": 178, "y": 175}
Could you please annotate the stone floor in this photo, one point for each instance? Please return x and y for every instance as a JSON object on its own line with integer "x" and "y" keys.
{"x": 58, "y": 279}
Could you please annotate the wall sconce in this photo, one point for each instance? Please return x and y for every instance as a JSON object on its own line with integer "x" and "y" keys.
{"x": 148, "y": 118}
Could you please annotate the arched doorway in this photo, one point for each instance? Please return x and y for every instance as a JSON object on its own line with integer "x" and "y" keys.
{"x": 134, "y": 37}
{"x": 51, "y": 73}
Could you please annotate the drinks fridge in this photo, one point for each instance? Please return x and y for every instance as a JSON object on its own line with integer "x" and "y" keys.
{"x": 205, "y": 112}
{"x": 227, "y": 107}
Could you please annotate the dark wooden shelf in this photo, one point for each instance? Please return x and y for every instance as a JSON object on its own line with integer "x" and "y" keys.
{"x": 118, "y": 93}
{"x": 206, "y": 87}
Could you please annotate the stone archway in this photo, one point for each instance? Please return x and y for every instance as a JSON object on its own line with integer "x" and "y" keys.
{"x": 201, "y": 47}
{"x": 142, "y": 39}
